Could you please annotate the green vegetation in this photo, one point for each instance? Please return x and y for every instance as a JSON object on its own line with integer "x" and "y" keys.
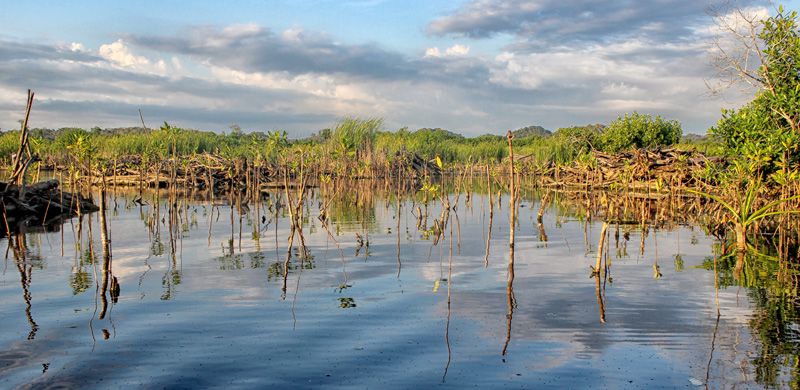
{"x": 348, "y": 142}
{"x": 640, "y": 131}
{"x": 762, "y": 139}
{"x": 744, "y": 215}
{"x": 764, "y": 135}
{"x": 351, "y": 139}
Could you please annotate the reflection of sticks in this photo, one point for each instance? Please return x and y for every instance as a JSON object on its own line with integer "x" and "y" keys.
{"x": 286, "y": 265}
{"x": 25, "y": 279}
{"x": 545, "y": 201}
{"x": 600, "y": 300}
{"x": 512, "y": 300}
{"x": 542, "y": 233}
{"x": 586, "y": 231}
{"x": 600, "y": 248}
{"x": 449, "y": 281}
{"x": 716, "y": 326}
{"x": 109, "y": 283}
{"x": 599, "y": 272}
{"x": 323, "y": 214}
{"x": 489, "y": 235}
{"x": 458, "y": 226}
{"x": 561, "y": 227}
{"x": 360, "y": 243}
{"x": 299, "y": 273}
{"x": 397, "y": 229}
{"x": 713, "y": 340}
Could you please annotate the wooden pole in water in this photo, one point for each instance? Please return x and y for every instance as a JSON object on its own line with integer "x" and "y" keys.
{"x": 513, "y": 210}
{"x": 601, "y": 247}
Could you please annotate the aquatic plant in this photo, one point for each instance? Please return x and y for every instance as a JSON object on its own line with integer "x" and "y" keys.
{"x": 744, "y": 214}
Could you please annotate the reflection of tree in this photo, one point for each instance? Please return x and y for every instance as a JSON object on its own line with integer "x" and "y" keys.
{"x": 773, "y": 289}
{"x": 775, "y": 325}
{"x": 231, "y": 261}
{"x": 257, "y": 260}
{"x": 356, "y": 204}
{"x": 81, "y": 279}
{"x": 156, "y": 246}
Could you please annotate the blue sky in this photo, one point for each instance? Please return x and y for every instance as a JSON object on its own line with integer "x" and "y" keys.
{"x": 473, "y": 67}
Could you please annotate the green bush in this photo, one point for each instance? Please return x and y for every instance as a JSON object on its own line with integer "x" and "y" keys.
{"x": 640, "y": 131}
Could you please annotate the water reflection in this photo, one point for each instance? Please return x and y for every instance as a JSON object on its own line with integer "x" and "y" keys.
{"x": 512, "y": 300}
{"x": 776, "y": 315}
{"x": 263, "y": 272}
{"x": 25, "y": 264}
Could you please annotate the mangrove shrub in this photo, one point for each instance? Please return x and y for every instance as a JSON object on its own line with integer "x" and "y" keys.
{"x": 640, "y": 131}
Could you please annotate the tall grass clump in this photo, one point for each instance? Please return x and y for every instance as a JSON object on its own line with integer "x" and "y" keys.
{"x": 356, "y": 134}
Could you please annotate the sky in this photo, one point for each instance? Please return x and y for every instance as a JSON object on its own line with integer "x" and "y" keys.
{"x": 469, "y": 66}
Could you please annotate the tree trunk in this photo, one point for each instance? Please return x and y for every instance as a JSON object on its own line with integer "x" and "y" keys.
{"x": 741, "y": 237}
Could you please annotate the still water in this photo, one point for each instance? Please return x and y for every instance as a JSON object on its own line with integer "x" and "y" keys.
{"x": 381, "y": 299}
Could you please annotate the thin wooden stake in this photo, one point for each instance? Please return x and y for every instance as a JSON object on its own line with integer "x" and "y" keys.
{"x": 512, "y": 210}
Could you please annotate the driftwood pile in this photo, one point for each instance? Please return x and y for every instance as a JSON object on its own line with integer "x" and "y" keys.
{"x": 40, "y": 204}
{"x": 643, "y": 168}
{"x": 407, "y": 162}
{"x": 205, "y": 171}
{"x": 201, "y": 172}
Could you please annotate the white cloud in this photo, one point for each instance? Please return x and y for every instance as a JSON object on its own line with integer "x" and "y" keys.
{"x": 513, "y": 72}
{"x": 77, "y": 47}
{"x": 121, "y": 55}
{"x": 433, "y": 52}
{"x": 568, "y": 68}
{"x": 457, "y": 50}
{"x": 454, "y": 51}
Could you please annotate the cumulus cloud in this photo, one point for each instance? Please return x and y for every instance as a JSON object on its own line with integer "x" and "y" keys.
{"x": 77, "y": 47}
{"x": 121, "y": 55}
{"x": 455, "y": 50}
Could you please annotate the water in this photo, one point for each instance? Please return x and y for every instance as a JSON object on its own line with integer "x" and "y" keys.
{"x": 402, "y": 311}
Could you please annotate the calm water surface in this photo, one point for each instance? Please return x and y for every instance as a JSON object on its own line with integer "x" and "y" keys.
{"x": 212, "y": 307}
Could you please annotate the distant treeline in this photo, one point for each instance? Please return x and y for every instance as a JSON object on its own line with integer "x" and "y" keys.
{"x": 357, "y": 138}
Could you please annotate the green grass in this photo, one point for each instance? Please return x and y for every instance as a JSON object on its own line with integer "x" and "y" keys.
{"x": 349, "y": 141}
